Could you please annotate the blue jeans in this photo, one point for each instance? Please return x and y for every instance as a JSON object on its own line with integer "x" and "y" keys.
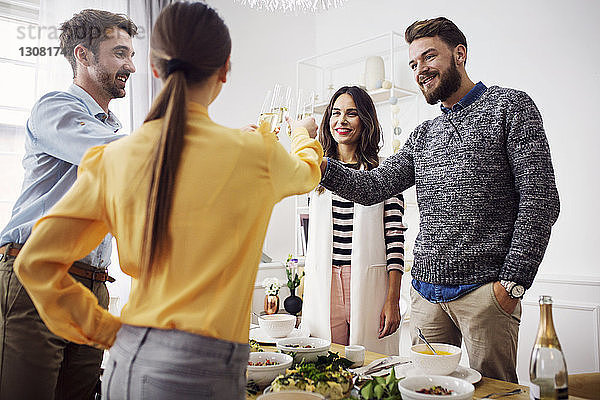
{"x": 148, "y": 363}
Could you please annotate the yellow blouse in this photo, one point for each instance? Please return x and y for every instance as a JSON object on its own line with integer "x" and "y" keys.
{"x": 227, "y": 184}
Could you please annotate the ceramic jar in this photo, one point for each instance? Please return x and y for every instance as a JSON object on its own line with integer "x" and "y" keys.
{"x": 374, "y": 72}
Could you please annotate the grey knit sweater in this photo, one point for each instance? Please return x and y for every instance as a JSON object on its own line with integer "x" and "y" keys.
{"x": 485, "y": 190}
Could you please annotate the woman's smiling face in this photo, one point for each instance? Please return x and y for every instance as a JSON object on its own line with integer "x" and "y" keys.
{"x": 344, "y": 122}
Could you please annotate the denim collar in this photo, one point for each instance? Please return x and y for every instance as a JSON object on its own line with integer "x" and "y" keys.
{"x": 466, "y": 101}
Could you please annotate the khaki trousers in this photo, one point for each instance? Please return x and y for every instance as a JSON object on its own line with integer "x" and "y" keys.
{"x": 35, "y": 364}
{"x": 490, "y": 333}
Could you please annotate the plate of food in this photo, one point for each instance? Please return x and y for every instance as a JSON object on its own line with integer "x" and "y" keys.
{"x": 328, "y": 376}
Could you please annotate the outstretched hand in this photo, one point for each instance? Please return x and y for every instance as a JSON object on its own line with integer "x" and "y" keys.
{"x": 308, "y": 123}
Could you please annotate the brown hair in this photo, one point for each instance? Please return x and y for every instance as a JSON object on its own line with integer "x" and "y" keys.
{"x": 368, "y": 146}
{"x": 440, "y": 26}
{"x": 89, "y": 28}
{"x": 195, "y": 38}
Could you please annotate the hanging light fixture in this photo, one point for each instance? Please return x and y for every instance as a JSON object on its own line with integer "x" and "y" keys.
{"x": 292, "y": 6}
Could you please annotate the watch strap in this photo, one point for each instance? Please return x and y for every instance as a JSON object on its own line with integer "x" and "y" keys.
{"x": 509, "y": 286}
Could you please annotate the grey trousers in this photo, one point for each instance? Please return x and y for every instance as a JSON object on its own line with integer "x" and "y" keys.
{"x": 148, "y": 363}
{"x": 490, "y": 333}
{"x": 34, "y": 362}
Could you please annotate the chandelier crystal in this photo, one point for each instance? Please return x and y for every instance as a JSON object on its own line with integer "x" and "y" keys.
{"x": 292, "y": 6}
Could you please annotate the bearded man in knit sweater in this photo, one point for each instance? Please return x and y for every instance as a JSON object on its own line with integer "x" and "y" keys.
{"x": 486, "y": 195}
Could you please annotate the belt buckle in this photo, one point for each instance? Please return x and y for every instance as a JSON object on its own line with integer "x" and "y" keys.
{"x": 94, "y": 273}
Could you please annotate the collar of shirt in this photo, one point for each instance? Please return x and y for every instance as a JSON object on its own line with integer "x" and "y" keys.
{"x": 466, "y": 101}
{"x": 94, "y": 108}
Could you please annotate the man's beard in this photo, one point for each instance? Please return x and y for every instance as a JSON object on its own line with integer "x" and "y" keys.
{"x": 108, "y": 84}
{"x": 450, "y": 82}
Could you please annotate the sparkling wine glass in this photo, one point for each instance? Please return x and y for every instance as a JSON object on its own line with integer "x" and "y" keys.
{"x": 305, "y": 106}
{"x": 275, "y": 107}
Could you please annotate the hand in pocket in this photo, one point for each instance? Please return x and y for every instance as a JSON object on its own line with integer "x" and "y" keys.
{"x": 507, "y": 303}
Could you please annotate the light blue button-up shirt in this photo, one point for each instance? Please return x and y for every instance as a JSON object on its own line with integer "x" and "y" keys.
{"x": 61, "y": 128}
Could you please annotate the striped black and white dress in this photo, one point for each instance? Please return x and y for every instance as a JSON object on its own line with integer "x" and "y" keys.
{"x": 343, "y": 215}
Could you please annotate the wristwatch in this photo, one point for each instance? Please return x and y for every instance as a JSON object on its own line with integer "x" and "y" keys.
{"x": 515, "y": 291}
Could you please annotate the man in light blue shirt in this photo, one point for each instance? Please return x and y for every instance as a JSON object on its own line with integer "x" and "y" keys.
{"x": 35, "y": 363}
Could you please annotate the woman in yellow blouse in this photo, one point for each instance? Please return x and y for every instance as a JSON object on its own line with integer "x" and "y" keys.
{"x": 188, "y": 202}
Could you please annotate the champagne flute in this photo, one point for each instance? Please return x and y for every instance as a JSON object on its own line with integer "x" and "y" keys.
{"x": 267, "y": 114}
{"x": 305, "y": 106}
{"x": 275, "y": 107}
{"x": 282, "y": 104}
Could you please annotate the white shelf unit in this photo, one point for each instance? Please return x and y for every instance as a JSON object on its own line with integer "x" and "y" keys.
{"x": 326, "y": 72}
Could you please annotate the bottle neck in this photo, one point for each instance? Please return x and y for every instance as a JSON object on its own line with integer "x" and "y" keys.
{"x": 546, "y": 336}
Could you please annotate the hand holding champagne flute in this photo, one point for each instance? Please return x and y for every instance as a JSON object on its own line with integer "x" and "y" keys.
{"x": 305, "y": 105}
{"x": 275, "y": 107}
{"x": 308, "y": 123}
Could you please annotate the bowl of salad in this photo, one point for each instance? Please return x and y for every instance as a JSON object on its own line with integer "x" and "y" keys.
{"x": 435, "y": 387}
{"x": 265, "y": 366}
{"x": 307, "y": 349}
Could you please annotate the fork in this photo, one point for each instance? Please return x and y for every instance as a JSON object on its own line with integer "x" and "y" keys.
{"x": 379, "y": 367}
{"x": 501, "y": 394}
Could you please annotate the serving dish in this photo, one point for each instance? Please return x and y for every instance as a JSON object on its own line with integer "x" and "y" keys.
{"x": 461, "y": 389}
{"x": 263, "y": 375}
{"x": 277, "y": 325}
{"x": 468, "y": 374}
{"x": 443, "y": 363}
{"x": 258, "y": 334}
{"x": 307, "y": 349}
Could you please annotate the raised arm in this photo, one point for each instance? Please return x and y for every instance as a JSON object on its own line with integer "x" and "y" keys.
{"x": 393, "y": 176}
{"x": 529, "y": 157}
{"x": 298, "y": 171}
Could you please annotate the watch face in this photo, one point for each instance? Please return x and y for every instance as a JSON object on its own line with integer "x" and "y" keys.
{"x": 517, "y": 291}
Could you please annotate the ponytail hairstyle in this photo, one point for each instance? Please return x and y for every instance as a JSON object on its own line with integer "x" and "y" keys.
{"x": 189, "y": 43}
{"x": 371, "y": 135}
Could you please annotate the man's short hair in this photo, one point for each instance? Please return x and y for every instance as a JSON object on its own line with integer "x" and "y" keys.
{"x": 441, "y": 27}
{"x": 89, "y": 28}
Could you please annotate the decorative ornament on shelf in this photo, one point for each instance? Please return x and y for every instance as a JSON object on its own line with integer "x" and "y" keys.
{"x": 272, "y": 287}
{"x": 374, "y": 72}
{"x": 293, "y": 304}
{"x": 292, "y": 6}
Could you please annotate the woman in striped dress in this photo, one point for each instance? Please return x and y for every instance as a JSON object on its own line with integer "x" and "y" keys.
{"x": 355, "y": 254}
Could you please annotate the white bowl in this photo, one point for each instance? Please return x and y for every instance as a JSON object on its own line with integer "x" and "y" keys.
{"x": 433, "y": 364}
{"x": 291, "y": 395}
{"x": 277, "y": 325}
{"x": 461, "y": 389}
{"x": 318, "y": 347}
{"x": 263, "y": 375}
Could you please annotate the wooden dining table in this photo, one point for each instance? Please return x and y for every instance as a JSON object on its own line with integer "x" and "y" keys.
{"x": 482, "y": 388}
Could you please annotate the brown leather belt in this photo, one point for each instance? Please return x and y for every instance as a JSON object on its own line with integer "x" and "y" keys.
{"x": 78, "y": 268}
{"x": 7, "y": 250}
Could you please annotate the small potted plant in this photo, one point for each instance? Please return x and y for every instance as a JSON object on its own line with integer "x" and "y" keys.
{"x": 272, "y": 287}
{"x": 293, "y": 304}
